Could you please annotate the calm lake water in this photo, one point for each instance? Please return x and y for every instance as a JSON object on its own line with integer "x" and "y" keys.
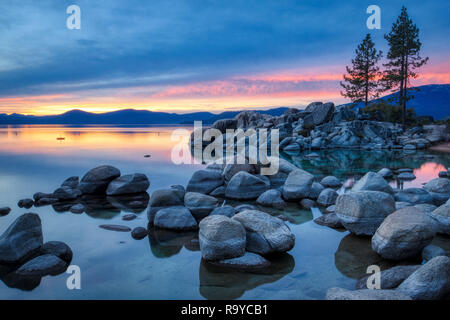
{"x": 168, "y": 265}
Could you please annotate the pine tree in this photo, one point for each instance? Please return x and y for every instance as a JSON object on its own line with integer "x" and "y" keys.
{"x": 361, "y": 84}
{"x": 404, "y": 59}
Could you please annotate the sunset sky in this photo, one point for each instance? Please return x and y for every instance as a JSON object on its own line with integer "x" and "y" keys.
{"x": 195, "y": 55}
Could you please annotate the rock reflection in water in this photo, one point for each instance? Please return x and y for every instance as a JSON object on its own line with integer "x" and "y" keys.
{"x": 220, "y": 283}
{"x": 355, "y": 254}
{"x": 166, "y": 243}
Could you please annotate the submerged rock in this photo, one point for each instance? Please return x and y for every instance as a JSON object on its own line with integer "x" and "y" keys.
{"x": 4, "y": 211}
{"x": 221, "y": 238}
{"x": 97, "y": 180}
{"x": 365, "y": 294}
{"x": 22, "y": 240}
{"x": 429, "y": 282}
{"x": 362, "y": 212}
{"x": 115, "y": 227}
{"x": 265, "y": 234}
{"x": 329, "y": 220}
{"x": 403, "y": 234}
{"x": 128, "y": 184}
{"x": 77, "y": 208}
{"x": 139, "y": 233}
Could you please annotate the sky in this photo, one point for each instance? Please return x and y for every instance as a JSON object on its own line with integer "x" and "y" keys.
{"x": 195, "y": 55}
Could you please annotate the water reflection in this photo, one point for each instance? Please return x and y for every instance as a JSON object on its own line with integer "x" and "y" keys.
{"x": 166, "y": 243}
{"x": 218, "y": 283}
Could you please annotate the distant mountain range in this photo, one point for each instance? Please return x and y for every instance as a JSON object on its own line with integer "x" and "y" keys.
{"x": 124, "y": 117}
{"x": 431, "y": 100}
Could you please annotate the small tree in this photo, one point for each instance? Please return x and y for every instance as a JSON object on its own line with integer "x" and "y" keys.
{"x": 404, "y": 59}
{"x": 360, "y": 84}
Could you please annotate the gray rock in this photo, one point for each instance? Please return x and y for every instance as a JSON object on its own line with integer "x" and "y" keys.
{"x": 320, "y": 113}
{"x": 308, "y": 203}
{"x": 139, "y": 233}
{"x": 4, "y": 211}
{"x": 442, "y": 216}
{"x": 39, "y": 195}
{"x": 221, "y": 238}
{"x": 439, "y": 189}
{"x": 386, "y": 173}
{"x": 443, "y": 174}
{"x": 406, "y": 176}
{"x": 227, "y": 211}
{"x": 66, "y": 193}
{"x": 390, "y": 278}
{"x": 404, "y": 170}
{"x": 244, "y": 207}
{"x": 327, "y": 197}
{"x": 297, "y": 185}
{"x": 199, "y": 204}
{"x": 175, "y": 218}
{"x": 205, "y": 181}
{"x": 115, "y": 227}
{"x": 425, "y": 207}
{"x": 316, "y": 189}
{"x": 400, "y": 205}
{"x": 96, "y": 180}
{"x": 245, "y": 186}
{"x": 429, "y": 282}
{"x": 331, "y": 182}
{"x": 71, "y": 182}
{"x": 22, "y": 240}
{"x": 163, "y": 198}
{"x": 329, "y": 220}
{"x": 44, "y": 265}
{"x": 232, "y": 169}
{"x": 365, "y": 294}
{"x": 284, "y": 168}
{"x": 218, "y": 192}
{"x": 372, "y": 182}
{"x": 265, "y": 234}
{"x": 128, "y": 184}
{"x": 59, "y": 249}
{"x": 331, "y": 209}
{"x": 77, "y": 208}
{"x": 271, "y": 198}
{"x": 46, "y": 201}
{"x": 431, "y": 251}
{"x": 362, "y": 212}
{"x": 403, "y": 234}
{"x": 25, "y": 203}
{"x": 248, "y": 262}
{"x": 129, "y": 217}
{"x": 414, "y": 196}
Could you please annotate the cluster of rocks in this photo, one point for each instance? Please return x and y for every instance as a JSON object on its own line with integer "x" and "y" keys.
{"x": 102, "y": 187}
{"x": 25, "y": 258}
{"x": 322, "y": 126}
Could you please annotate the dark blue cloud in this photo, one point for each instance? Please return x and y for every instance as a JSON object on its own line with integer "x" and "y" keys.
{"x": 160, "y": 42}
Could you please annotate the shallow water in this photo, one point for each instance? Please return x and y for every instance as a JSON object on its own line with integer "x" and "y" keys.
{"x": 168, "y": 265}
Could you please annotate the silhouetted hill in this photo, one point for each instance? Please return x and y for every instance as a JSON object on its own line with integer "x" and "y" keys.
{"x": 123, "y": 117}
{"x": 431, "y": 100}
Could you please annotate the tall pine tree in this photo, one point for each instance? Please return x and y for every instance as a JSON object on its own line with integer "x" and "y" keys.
{"x": 403, "y": 59}
{"x": 361, "y": 84}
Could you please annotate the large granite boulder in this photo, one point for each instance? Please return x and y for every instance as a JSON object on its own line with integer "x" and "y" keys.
{"x": 362, "y": 212}
{"x": 365, "y": 294}
{"x": 414, "y": 196}
{"x": 320, "y": 113}
{"x": 22, "y": 240}
{"x": 327, "y": 197}
{"x": 205, "y": 181}
{"x": 271, "y": 198}
{"x": 265, "y": 234}
{"x": 245, "y": 186}
{"x": 128, "y": 184}
{"x": 390, "y": 278}
{"x": 163, "y": 198}
{"x": 372, "y": 182}
{"x": 403, "y": 234}
{"x": 429, "y": 282}
{"x": 442, "y": 217}
{"x": 175, "y": 218}
{"x": 284, "y": 169}
{"x": 199, "y": 204}
{"x": 297, "y": 185}
{"x": 221, "y": 238}
{"x": 97, "y": 180}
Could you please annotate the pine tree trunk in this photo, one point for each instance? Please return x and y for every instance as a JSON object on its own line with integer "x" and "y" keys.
{"x": 405, "y": 95}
